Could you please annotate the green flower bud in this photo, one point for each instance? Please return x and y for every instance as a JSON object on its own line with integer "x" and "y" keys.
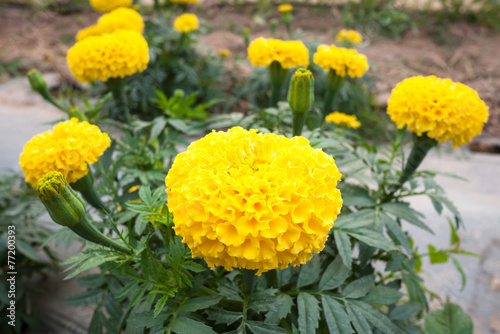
{"x": 64, "y": 205}
{"x": 37, "y": 81}
{"x": 301, "y": 91}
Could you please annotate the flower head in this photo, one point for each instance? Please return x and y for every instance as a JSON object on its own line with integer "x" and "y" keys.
{"x": 184, "y": 1}
{"x": 224, "y": 52}
{"x": 186, "y": 23}
{"x": 286, "y": 8}
{"x": 108, "y": 5}
{"x": 443, "y": 109}
{"x": 350, "y": 36}
{"x": 262, "y": 52}
{"x": 252, "y": 200}
{"x": 116, "y": 55}
{"x": 343, "y": 61}
{"x": 340, "y": 118}
{"x": 120, "y": 18}
{"x": 68, "y": 148}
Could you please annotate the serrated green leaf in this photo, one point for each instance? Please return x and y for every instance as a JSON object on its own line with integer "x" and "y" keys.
{"x": 334, "y": 275}
{"x": 358, "y": 320}
{"x": 372, "y": 238}
{"x": 263, "y": 328}
{"x": 127, "y": 288}
{"x": 441, "y": 197}
{"x": 461, "y": 271}
{"x": 146, "y": 319}
{"x": 221, "y": 316}
{"x": 405, "y": 311}
{"x": 193, "y": 266}
{"x": 382, "y": 295}
{"x": 396, "y": 230}
{"x": 356, "y": 196}
{"x": 137, "y": 295}
{"x": 359, "y": 287}
{"x": 160, "y": 305}
{"x": 344, "y": 246}
{"x": 308, "y": 307}
{"x": 159, "y": 124}
{"x": 24, "y": 248}
{"x": 281, "y": 306}
{"x": 91, "y": 263}
{"x": 335, "y": 316}
{"x": 183, "y": 325}
{"x": 404, "y": 212}
{"x": 375, "y": 317}
{"x": 97, "y": 322}
{"x": 437, "y": 256}
{"x": 85, "y": 298}
{"x": 454, "y": 238}
{"x": 355, "y": 220}
{"x": 199, "y": 303}
{"x": 309, "y": 272}
{"x": 451, "y": 319}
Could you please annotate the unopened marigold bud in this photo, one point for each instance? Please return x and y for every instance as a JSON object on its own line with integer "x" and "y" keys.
{"x": 301, "y": 91}
{"x": 37, "y": 82}
{"x": 64, "y": 205}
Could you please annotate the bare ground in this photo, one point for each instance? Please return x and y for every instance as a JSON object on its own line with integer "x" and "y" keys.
{"x": 470, "y": 54}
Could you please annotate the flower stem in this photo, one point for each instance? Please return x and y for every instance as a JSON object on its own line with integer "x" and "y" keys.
{"x": 298, "y": 123}
{"x": 333, "y": 85}
{"x": 85, "y": 186}
{"x": 249, "y": 280}
{"x": 278, "y": 76}
{"x": 117, "y": 87}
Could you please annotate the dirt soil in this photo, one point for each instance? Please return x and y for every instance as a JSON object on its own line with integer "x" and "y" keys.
{"x": 470, "y": 54}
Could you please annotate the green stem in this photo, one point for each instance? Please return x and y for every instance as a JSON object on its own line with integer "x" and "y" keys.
{"x": 87, "y": 231}
{"x": 333, "y": 85}
{"x": 85, "y": 186}
{"x": 117, "y": 87}
{"x": 249, "y": 280}
{"x": 278, "y": 76}
{"x": 298, "y": 123}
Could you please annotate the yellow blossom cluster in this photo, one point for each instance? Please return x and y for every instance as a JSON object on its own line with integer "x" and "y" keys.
{"x": 262, "y": 52}
{"x": 286, "y": 8}
{"x": 108, "y": 5}
{"x": 120, "y": 18}
{"x": 251, "y": 200}
{"x": 443, "y": 109}
{"x": 114, "y": 55}
{"x": 67, "y": 148}
{"x": 340, "y": 118}
{"x": 342, "y": 60}
{"x": 350, "y": 36}
{"x": 186, "y": 23}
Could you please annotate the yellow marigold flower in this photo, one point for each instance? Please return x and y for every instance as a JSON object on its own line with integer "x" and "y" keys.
{"x": 286, "y": 8}
{"x": 340, "y": 118}
{"x": 343, "y": 61}
{"x": 116, "y": 55}
{"x": 262, "y": 52}
{"x": 184, "y": 1}
{"x": 120, "y": 18}
{"x": 67, "y": 148}
{"x": 186, "y": 23}
{"x": 351, "y": 36}
{"x": 224, "y": 52}
{"x": 108, "y": 5}
{"x": 443, "y": 109}
{"x": 251, "y": 200}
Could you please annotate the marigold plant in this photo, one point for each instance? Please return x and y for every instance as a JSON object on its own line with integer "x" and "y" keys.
{"x": 120, "y": 18}
{"x": 186, "y": 23}
{"x": 262, "y": 52}
{"x": 114, "y": 55}
{"x": 441, "y": 108}
{"x": 350, "y": 121}
{"x": 108, "y": 5}
{"x": 251, "y": 200}
{"x": 67, "y": 148}
{"x": 350, "y": 36}
{"x": 342, "y": 60}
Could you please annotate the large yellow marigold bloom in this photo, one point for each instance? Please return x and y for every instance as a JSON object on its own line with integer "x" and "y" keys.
{"x": 343, "y": 61}
{"x": 108, "y": 5}
{"x": 120, "y": 18}
{"x": 114, "y": 55}
{"x": 443, "y": 109}
{"x": 350, "y": 121}
{"x": 67, "y": 148}
{"x": 262, "y": 52}
{"x": 186, "y": 23}
{"x": 250, "y": 200}
{"x": 351, "y": 36}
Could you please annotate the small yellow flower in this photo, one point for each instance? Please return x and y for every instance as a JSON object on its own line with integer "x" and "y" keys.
{"x": 186, "y": 23}
{"x": 340, "y": 118}
{"x": 250, "y": 200}
{"x": 224, "y": 52}
{"x": 443, "y": 109}
{"x": 262, "y": 52}
{"x": 286, "y": 8}
{"x": 350, "y": 36}
{"x": 108, "y": 5}
{"x": 184, "y": 1}
{"x": 116, "y": 55}
{"x": 68, "y": 148}
{"x": 120, "y": 18}
{"x": 343, "y": 61}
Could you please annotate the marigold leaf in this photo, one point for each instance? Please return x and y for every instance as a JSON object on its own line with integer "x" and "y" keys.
{"x": 451, "y": 319}
{"x": 405, "y": 311}
{"x": 359, "y": 287}
{"x": 309, "y": 272}
{"x": 308, "y": 307}
{"x": 383, "y": 295}
{"x": 335, "y": 316}
{"x": 375, "y": 317}
{"x": 264, "y": 328}
{"x": 334, "y": 275}
{"x": 183, "y": 325}
{"x": 221, "y": 316}
{"x": 344, "y": 246}
{"x": 195, "y": 304}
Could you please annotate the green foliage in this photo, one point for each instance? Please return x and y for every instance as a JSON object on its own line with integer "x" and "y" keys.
{"x": 450, "y": 319}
